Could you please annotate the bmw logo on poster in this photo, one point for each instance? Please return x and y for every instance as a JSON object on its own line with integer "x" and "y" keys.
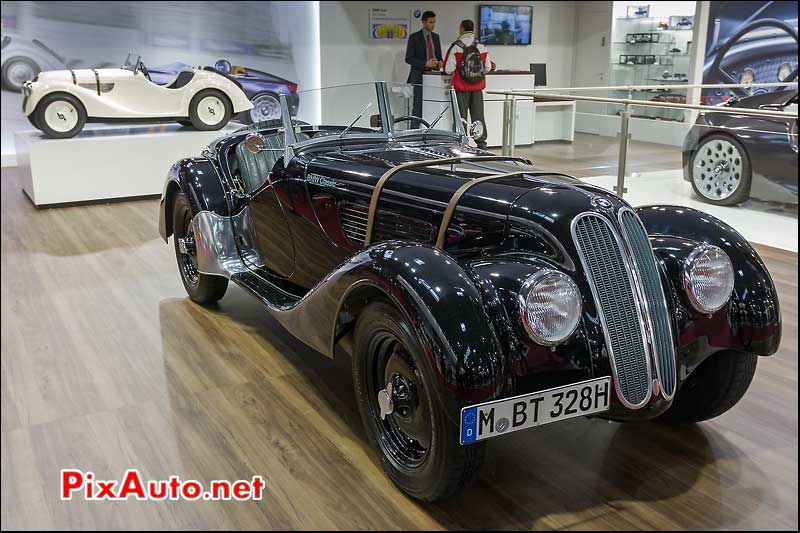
{"x": 389, "y": 23}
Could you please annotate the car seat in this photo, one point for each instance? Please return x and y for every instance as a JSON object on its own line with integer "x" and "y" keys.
{"x": 255, "y": 168}
{"x": 183, "y": 77}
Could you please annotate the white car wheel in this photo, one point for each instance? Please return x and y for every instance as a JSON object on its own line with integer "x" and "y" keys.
{"x": 721, "y": 171}
{"x": 211, "y": 110}
{"x": 61, "y": 116}
{"x": 265, "y": 107}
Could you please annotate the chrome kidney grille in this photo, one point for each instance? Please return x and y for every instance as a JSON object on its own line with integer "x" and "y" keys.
{"x": 653, "y": 292}
{"x": 621, "y": 314}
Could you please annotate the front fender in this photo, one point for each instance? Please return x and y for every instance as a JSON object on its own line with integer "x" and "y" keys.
{"x": 439, "y": 299}
{"x": 198, "y": 179}
{"x": 751, "y": 321}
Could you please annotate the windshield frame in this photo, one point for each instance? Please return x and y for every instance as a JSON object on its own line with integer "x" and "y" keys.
{"x": 386, "y": 134}
{"x": 127, "y": 64}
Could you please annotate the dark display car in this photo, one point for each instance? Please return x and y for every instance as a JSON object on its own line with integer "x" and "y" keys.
{"x": 725, "y": 151}
{"x": 476, "y": 295}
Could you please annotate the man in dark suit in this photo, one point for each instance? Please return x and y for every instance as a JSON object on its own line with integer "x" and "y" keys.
{"x": 423, "y": 53}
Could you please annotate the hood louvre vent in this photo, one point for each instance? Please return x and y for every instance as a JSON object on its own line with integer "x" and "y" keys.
{"x": 388, "y": 225}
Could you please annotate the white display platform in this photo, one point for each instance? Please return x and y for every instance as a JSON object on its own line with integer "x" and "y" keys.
{"x": 759, "y": 222}
{"x": 105, "y": 162}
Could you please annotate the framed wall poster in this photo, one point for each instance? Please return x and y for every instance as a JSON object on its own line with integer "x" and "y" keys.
{"x": 638, "y": 11}
{"x": 389, "y": 23}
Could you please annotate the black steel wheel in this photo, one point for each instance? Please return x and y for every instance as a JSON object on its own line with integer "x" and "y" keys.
{"x": 201, "y": 288}
{"x": 418, "y": 445}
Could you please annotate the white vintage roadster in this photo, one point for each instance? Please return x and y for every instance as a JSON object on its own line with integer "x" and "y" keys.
{"x": 60, "y": 102}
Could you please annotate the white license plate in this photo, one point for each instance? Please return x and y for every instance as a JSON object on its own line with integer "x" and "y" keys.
{"x": 492, "y": 419}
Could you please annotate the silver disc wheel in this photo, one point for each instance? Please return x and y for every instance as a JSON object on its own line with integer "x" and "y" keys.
{"x": 211, "y": 110}
{"x": 18, "y": 72}
{"x": 61, "y": 116}
{"x": 717, "y": 170}
{"x": 265, "y": 107}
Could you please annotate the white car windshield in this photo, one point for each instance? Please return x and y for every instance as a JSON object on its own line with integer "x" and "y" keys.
{"x": 132, "y": 62}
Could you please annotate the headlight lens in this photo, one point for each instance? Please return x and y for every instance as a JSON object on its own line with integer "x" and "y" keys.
{"x": 708, "y": 278}
{"x": 550, "y": 306}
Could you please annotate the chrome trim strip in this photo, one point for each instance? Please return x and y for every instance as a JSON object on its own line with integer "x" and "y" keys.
{"x": 601, "y": 315}
{"x": 376, "y": 193}
{"x": 649, "y": 317}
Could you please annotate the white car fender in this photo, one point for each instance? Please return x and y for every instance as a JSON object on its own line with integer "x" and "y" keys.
{"x": 204, "y": 79}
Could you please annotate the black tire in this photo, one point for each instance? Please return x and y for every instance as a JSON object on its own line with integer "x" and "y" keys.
{"x": 382, "y": 339}
{"x": 40, "y": 115}
{"x": 195, "y": 115}
{"x": 201, "y": 288}
{"x": 705, "y": 183}
{"x": 714, "y": 387}
{"x": 14, "y": 84}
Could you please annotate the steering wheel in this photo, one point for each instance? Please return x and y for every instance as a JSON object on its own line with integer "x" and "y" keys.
{"x": 411, "y": 118}
{"x": 716, "y": 74}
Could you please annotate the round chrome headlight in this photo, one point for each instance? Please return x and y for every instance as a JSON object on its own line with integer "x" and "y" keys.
{"x": 708, "y": 278}
{"x": 550, "y": 306}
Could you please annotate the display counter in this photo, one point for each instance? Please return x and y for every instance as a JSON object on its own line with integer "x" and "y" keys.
{"x": 536, "y": 119}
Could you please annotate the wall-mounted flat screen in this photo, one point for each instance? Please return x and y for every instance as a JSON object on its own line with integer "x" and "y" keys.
{"x": 505, "y": 24}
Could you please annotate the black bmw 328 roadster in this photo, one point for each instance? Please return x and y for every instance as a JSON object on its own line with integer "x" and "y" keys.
{"x": 476, "y": 295}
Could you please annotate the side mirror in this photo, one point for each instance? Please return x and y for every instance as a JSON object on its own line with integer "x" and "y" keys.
{"x": 254, "y": 143}
{"x": 375, "y": 121}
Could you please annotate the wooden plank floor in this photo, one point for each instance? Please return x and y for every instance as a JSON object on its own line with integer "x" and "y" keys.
{"x": 106, "y": 365}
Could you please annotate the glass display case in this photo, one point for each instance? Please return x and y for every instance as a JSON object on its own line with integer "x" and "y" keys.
{"x": 652, "y": 51}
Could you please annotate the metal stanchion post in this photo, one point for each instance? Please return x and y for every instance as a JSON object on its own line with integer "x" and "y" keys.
{"x": 506, "y": 106}
{"x": 624, "y": 136}
{"x": 512, "y": 125}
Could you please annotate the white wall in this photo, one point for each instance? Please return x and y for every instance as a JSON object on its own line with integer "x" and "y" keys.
{"x": 350, "y": 56}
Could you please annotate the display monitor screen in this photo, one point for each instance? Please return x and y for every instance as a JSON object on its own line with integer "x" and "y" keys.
{"x": 505, "y": 24}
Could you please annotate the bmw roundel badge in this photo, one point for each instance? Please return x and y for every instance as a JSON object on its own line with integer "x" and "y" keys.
{"x": 601, "y": 202}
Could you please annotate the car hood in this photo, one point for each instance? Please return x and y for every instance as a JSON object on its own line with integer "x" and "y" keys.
{"x": 86, "y": 75}
{"x": 546, "y": 199}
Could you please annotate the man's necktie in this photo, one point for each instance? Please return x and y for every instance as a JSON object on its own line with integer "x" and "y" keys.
{"x": 430, "y": 46}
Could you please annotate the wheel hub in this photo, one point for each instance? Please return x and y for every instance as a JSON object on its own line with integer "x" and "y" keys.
{"x": 399, "y": 402}
{"x": 717, "y": 169}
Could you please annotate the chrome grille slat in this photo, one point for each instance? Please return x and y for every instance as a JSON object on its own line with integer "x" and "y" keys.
{"x": 656, "y": 301}
{"x": 353, "y": 219}
{"x": 616, "y": 301}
